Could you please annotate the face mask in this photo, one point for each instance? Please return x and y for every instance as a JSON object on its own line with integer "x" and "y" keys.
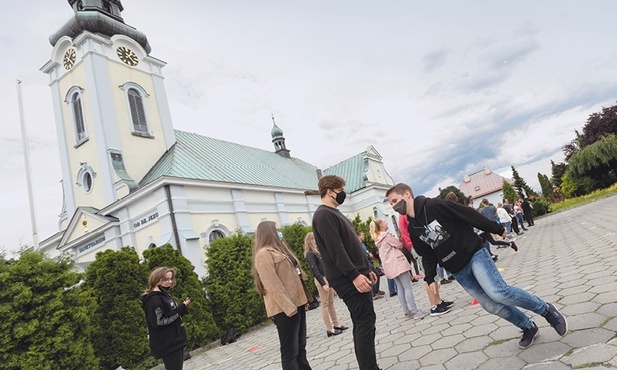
{"x": 280, "y": 235}
{"x": 340, "y": 197}
{"x": 401, "y": 207}
{"x": 163, "y": 288}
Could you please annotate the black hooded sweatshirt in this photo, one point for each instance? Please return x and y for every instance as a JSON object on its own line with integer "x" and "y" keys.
{"x": 166, "y": 330}
{"x": 442, "y": 233}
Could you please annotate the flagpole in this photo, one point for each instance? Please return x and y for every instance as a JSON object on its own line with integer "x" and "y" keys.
{"x": 35, "y": 237}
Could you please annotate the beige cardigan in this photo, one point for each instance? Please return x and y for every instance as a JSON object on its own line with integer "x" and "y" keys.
{"x": 284, "y": 289}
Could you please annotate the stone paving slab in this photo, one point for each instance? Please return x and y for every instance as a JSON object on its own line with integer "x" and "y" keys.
{"x": 568, "y": 258}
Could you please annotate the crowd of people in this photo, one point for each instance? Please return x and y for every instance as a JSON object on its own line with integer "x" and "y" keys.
{"x": 452, "y": 240}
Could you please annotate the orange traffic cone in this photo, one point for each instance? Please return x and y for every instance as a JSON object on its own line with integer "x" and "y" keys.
{"x": 474, "y": 302}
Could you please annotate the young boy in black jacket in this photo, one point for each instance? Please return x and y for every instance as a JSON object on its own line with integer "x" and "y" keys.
{"x": 442, "y": 232}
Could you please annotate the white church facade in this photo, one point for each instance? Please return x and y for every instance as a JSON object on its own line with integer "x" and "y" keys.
{"x": 130, "y": 179}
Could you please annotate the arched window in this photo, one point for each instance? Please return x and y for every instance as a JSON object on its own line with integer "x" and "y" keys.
{"x": 77, "y": 114}
{"x": 135, "y": 96}
{"x": 138, "y": 115}
{"x": 215, "y": 234}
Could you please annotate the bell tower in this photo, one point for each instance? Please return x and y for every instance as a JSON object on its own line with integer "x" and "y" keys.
{"x": 110, "y": 106}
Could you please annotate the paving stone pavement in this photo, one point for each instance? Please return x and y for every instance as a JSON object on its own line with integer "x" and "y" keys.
{"x": 568, "y": 258}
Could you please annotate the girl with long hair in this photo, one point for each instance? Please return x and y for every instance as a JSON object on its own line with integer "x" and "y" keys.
{"x": 166, "y": 332}
{"x": 326, "y": 294}
{"x": 280, "y": 280}
{"x": 395, "y": 266}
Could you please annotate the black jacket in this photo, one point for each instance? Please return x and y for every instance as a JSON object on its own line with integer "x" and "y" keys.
{"x": 166, "y": 330}
{"x": 452, "y": 242}
{"x": 341, "y": 249}
{"x": 316, "y": 265}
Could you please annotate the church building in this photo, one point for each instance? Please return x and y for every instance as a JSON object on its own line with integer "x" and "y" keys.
{"x": 130, "y": 179}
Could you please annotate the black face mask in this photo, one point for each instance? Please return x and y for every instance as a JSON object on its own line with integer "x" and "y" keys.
{"x": 163, "y": 288}
{"x": 401, "y": 207}
{"x": 340, "y": 197}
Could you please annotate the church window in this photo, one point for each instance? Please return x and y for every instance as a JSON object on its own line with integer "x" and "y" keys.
{"x": 215, "y": 234}
{"x": 74, "y": 99}
{"x": 85, "y": 177}
{"x": 135, "y": 96}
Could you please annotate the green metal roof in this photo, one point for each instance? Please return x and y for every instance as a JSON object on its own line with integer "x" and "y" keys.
{"x": 352, "y": 170}
{"x": 200, "y": 157}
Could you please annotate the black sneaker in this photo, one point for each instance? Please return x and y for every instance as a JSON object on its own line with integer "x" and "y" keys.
{"x": 528, "y": 336}
{"x": 445, "y": 303}
{"x": 556, "y": 319}
{"x": 440, "y": 309}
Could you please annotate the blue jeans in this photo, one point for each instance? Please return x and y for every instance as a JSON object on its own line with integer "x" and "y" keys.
{"x": 391, "y": 286}
{"x": 519, "y": 217}
{"x": 508, "y": 226}
{"x": 481, "y": 279}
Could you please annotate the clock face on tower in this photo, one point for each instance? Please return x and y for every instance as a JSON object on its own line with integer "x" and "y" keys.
{"x": 127, "y": 56}
{"x": 69, "y": 59}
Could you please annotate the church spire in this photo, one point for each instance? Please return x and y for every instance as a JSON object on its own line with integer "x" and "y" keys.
{"x": 100, "y": 17}
{"x": 279, "y": 141}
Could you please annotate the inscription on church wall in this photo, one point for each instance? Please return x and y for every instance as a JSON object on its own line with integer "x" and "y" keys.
{"x": 91, "y": 245}
{"x": 145, "y": 220}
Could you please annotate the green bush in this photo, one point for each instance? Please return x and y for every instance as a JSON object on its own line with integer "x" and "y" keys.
{"x": 117, "y": 279}
{"x": 293, "y": 235}
{"x": 45, "y": 325}
{"x": 199, "y": 322}
{"x": 540, "y": 206}
{"x": 229, "y": 284}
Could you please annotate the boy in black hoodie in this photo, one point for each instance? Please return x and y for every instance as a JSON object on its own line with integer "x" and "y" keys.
{"x": 442, "y": 233}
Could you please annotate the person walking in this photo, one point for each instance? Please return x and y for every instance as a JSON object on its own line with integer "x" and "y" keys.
{"x": 280, "y": 280}
{"x": 504, "y": 218}
{"x": 346, "y": 267}
{"x": 326, "y": 294}
{"x": 519, "y": 214}
{"x": 166, "y": 332}
{"x": 396, "y": 267}
{"x": 442, "y": 232}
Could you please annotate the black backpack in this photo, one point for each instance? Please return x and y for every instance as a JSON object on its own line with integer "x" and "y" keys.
{"x": 229, "y": 336}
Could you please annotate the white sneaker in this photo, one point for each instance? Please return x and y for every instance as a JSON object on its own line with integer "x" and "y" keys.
{"x": 418, "y": 315}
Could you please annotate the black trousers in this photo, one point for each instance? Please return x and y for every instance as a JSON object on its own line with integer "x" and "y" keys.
{"x": 363, "y": 316}
{"x": 174, "y": 360}
{"x": 292, "y": 337}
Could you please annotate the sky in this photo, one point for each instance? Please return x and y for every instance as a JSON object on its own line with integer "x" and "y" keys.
{"x": 440, "y": 89}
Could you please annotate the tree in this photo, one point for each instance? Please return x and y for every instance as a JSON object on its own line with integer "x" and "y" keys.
{"x": 573, "y": 187}
{"x": 199, "y": 322}
{"x": 597, "y": 161}
{"x": 573, "y": 146}
{"x": 459, "y": 194}
{"x": 117, "y": 280}
{"x": 545, "y": 185}
{"x": 45, "y": 315}
{"x": 230, "y": 284}
{"x": 364, "y": 227}
{"x": 508, "y": 192}
{"x": 557, "y": 172}
{"x": 521, "y": 186}
{"x": 600, "y": 124}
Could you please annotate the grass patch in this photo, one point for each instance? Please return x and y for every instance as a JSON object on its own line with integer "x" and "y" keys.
{"x": 570, "y": 351}
{"x": 583, "y": 199}
{"x": 592, "y": 364}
